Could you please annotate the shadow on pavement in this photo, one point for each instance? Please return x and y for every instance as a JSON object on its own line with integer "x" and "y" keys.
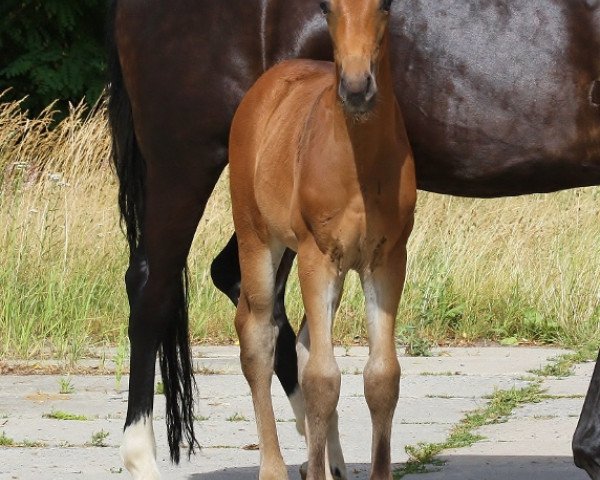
{"x": 457, "y": 467}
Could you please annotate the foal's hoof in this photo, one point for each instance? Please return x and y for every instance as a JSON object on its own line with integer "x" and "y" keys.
{"x": 335, "y": 473}
{"x": 304, "y": 470}
{"x": 273, "y": 472}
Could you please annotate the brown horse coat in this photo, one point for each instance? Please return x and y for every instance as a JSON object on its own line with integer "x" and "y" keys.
{"x": 320, "y": 163}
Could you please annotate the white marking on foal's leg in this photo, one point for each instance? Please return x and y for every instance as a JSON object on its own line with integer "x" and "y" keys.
{"x": 296, "y": 398}
{"x": 297, "y": 401}
{"x": 138, "y": 450}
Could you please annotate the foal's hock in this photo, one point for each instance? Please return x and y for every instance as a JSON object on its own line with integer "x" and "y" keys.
{"x": 320, "y": 163}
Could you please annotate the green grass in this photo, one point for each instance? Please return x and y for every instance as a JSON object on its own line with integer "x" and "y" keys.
{"x": 506, "y": 270}
{"x": 500, "y": 405}
{"x": 60, "y": 415}
{"x": 562, "y": 366}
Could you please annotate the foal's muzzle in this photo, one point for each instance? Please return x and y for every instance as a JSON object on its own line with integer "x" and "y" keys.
{"x": 358, "y": 92}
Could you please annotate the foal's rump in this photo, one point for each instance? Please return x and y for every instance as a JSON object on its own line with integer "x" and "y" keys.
{"x": 265, "y": 134}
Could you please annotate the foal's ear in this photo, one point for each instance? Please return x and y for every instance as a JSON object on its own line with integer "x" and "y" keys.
{"x": 386, "y": 5}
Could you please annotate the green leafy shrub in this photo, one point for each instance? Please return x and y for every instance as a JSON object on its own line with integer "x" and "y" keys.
{"x": 52, "y": 49}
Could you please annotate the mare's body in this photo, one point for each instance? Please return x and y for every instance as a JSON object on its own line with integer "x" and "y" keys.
{"x": 499, "y": 98}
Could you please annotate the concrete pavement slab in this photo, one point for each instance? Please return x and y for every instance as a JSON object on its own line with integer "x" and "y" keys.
{"x": 436, "y": 392}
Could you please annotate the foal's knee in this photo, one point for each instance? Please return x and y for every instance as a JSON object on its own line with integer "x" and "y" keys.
{"x": 321, "y": 381}
{"x": 382, "y": 383}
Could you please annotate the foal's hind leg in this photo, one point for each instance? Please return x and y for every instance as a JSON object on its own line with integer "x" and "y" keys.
{"x": 226, "y": 275}
{"x": 383, "y": 288}
{"x": 257, "y": 333}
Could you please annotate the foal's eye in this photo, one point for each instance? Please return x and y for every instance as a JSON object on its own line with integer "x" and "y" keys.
{"x": 386, "y": 5}
{"x": 325, "y": 7}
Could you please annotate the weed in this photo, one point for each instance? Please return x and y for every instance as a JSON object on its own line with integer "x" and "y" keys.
{"x": 32, "y": 444}
{"x": 415, "y": 344}
{"x": 237, "y": 417}
{"x": 6, "y": 441}
{"x": 65, "y": 386}
{"x": 439, "y": 374}
{"x": 201, "y": 418}
{"x": 160, "y": 389}
{"x": 98, "y": 439}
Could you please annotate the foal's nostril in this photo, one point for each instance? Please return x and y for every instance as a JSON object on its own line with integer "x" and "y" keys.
{"x": 368, "y": 86}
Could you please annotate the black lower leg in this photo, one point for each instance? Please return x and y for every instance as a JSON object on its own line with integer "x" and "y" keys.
{"x": 159, "y": 323}
{"x": 286, "y": 360}
{"x": 136, "y": 275}
{"x": 225, "y": 270}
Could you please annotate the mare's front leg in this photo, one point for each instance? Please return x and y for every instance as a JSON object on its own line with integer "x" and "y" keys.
{"x": 321, "y": 281}
{"x": 257, "y": 332}
{"x": 383, "y": 286}
{"x": 586, "y": 441}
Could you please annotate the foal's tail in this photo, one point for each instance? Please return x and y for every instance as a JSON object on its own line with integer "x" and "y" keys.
{"x": 130, "y": 167}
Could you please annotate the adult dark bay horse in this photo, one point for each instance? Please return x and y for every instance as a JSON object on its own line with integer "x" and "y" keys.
{"x": 500, "y": 97}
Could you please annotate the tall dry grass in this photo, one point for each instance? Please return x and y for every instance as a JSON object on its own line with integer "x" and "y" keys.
{"x": 522, "y": 268}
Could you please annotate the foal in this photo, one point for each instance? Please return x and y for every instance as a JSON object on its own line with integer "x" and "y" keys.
{"x": 320, "y": 163}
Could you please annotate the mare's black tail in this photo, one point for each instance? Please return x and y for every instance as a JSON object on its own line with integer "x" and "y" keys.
{"x": 130, "y": 167}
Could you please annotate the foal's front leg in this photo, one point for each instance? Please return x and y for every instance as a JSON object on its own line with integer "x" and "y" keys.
{"x": 383, "y": 287}
{"x": 335, "y": 468}
{"x": 321, "y": 282}
{"x": 257, "y": 333}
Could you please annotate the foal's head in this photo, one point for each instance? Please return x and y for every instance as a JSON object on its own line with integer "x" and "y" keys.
{"x": 358, "y": 29}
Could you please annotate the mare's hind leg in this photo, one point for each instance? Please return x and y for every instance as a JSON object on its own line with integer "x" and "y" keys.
{"x": 257, "y": 332}
{"x": 159, "y": 320}
{"x": 225, "y": 270}
{"x": 586, "y": 441}
{"x": 383, "y": 287}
